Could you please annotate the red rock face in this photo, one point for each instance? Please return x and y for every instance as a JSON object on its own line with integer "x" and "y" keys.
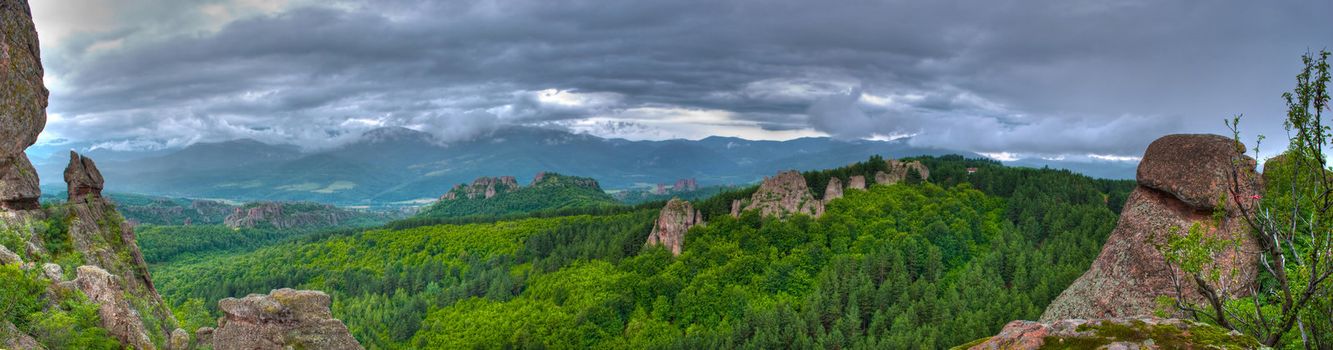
{"x": 1028, "y": 335}
{"x": 284, "y": 319}
{"x": 685, "y": 185}
{"x": 898, "y": 172}
{"x": 676, "y": 219}
{"x": 783, "y": 195}
{"x": 857, "y": 182}
{"x": 833, "y": 190}
{"x": 82, "y": 178}
{"x": 1130, "y": 273}
{"x": 1196, "y": 168}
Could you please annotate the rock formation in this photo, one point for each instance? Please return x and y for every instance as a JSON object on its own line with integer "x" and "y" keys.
{"x": 685, "y": 185}
{"x": 22, "y": 106}
{"x": 277, "y": 215}
{"x": 735, "y": 208}
{"x": 117, "y": 315}
{"x": 783, "y": 195}
{"x": 833, "y": 190}
{"x": 675, "y": 220}
{"x": 18, "y": 184}
{"x": 82, "y": 178}
{"x": 1180, "y": 180}
{"x": 1125, "y": 333}
{"x": 284, "y": 319}
{"x": 483, "y": 187}
{"x": 898, "y": 172}
{"x": 857, "y": 182}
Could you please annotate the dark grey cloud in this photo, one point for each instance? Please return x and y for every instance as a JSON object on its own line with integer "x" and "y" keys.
{"x": 1041, "y": 79}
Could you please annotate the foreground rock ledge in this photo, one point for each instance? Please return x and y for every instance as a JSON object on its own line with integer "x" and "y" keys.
{"x": 284, "y": 319}
{"x": 1120, "y": 333}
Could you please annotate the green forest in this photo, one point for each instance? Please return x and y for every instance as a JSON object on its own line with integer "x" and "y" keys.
{"x": 554, "y": 193}
{"x": 931, "y": 264}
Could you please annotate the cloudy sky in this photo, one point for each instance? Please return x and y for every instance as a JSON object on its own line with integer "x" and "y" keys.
{"x": 1007, "y": 78}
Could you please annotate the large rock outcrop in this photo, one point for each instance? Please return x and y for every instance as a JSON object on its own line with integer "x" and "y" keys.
{"x": 1180, "y": 180}
{"x": 1124, "y": 333}
{"x": 856, "y": 182}
{"x": 482, "y": 187}
{"x": 119, "y": 318}
{"x": 23, "y": 100}
{"x": 898, "y": 172}
{"x": 833, "y": 190}
{"x": 784, "y": 195}
{"x": 82, "y": 178}
{"x": 284, "y": 319}
{"x": 676, "y": 219}
{"x": 286, "y": 215}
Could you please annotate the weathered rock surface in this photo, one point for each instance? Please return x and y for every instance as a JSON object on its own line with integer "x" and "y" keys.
{"x": 53, "y": 272}
{"x": 1130, "y": 273}
{"x": 180, "y": 339}
{"x": 12, "y": 339}
{"x": 83, "y": 178}
{"x": 23, "y": 95}
{"x": 276, "y": 215}
{"x": 676, "y": 219}
{"x": 735, "y": 208}
{"x": 7, "y": 257}
{"x": 203, "y": 336}
{"x": 19, "y": 185}
{"x": 685, "y": 185}
{"x": 898, "y": 172}
{"x": 482, "y": 187}
{"x": 1122, "y": 333}
{"x": 784, "y": 195}
{"x": 857, "y": 182}
{"x": 1195, "y": 168}
{"x": 284, "y": 319}
{"x": 117, "y": 315}
{"x": 833, "y": 190}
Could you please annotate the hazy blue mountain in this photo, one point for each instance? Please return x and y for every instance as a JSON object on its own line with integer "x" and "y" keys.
{"x": 398, "y": 165}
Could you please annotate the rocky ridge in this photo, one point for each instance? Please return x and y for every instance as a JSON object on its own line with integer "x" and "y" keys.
{"x": 676, "y": 218}
{"x": 898, "y": 172}
{"x": 484, "y": 187}
{"x": 283, "y": 216}
{"x": 784, "y": 195}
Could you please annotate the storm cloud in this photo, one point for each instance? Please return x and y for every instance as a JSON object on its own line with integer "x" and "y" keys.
{"x": 1035, "y": 79}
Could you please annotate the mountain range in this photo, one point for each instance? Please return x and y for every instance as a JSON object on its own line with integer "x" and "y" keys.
{"x": 395, "y": 165}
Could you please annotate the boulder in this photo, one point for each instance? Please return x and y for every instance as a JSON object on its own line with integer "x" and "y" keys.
{"x": 11, "y": 338}
{"x": 7, "y": 257}
{"x": 82, "y": 178}
{"x": 19, "y": 185}
{"x": 1120, "y": 333}
{"x": 675, "y": 220}
{"x": 784, "y": 195}
{"x": 857, "y": 182}
{"x": 1197, "y": 168}
{"x": 1130, "y": 274}
{"x": 117, "y": 315}
{"x": 23, "y": 96}
{"x": 833, "y": 190}
{"x": 53, "y": 272}
{"x": 180, "y": 339}
{"x": 284, "y": 319}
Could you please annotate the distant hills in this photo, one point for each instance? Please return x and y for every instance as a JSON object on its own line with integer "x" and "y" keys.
{"x": 402, "y": 166}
